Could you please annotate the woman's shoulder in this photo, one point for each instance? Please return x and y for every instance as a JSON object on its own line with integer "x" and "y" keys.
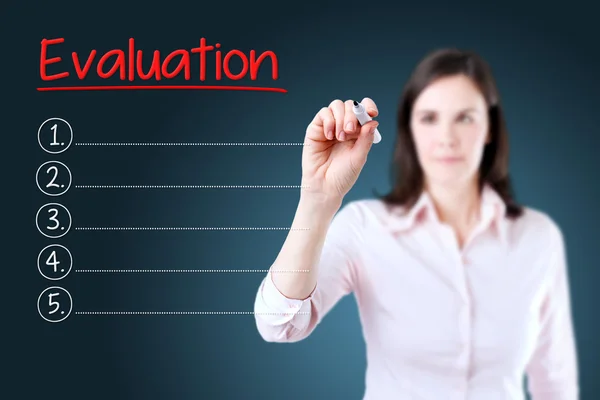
{"x": 365, "y": 211}
{"x": 537, "y": 224}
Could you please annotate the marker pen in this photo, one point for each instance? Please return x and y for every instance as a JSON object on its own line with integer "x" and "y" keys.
{"x": 363, "y": 118}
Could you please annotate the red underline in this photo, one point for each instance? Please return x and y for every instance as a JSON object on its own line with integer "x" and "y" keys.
{"x": 161, "y": 87}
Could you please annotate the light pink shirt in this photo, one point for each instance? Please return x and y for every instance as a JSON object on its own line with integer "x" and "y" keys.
{"x": 441, "y": 323}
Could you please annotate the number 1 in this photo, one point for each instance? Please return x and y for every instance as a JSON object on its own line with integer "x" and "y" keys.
{"x": 54, "y": 142}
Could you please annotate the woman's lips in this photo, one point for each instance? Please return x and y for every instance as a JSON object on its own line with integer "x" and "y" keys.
{"x": 449, "y": 160}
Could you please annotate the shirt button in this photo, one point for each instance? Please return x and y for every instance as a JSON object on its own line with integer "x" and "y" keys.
{"x": 465, "y": 260}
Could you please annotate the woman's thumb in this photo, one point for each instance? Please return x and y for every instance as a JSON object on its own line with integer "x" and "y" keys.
{"x": 365, "y": 140}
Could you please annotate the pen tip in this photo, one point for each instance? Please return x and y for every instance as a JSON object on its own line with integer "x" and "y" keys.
{"x": 355, "y": 103}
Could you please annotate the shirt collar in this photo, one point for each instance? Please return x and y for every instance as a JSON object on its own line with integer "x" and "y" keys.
{"x": 492, "y": 214}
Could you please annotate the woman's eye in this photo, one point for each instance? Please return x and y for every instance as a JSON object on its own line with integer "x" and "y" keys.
{"x": 465, "y": 119}
{"x": 428, "y": 119}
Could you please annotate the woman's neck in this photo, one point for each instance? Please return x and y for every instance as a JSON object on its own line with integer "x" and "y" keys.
{"x": 457, "y": 206}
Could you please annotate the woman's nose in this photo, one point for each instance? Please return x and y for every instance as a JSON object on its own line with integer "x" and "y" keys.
{"x": 447, "y": 136}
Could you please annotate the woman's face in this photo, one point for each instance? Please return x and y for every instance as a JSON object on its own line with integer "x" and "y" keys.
{"x": 450, "y": 127}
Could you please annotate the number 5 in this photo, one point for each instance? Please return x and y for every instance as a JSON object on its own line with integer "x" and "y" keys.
{"x": 51, "y": 303}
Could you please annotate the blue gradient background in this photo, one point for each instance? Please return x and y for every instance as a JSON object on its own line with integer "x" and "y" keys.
{"x": 545, "y": 62}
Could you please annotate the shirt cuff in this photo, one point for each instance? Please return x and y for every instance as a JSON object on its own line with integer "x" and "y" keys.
{"x": 281, "y": 309}
{"x": 570, "y": 392}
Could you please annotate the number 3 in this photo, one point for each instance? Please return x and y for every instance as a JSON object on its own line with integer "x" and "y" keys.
{"x": 53, "y": 218}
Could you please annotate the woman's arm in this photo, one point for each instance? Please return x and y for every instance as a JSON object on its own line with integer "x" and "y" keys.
{"x": 290, "y": 302}
{"x": 552, "y": 372}
{"x": 302, "y": 248}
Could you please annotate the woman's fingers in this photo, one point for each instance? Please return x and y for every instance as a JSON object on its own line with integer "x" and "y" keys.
{"x": 338, "y": 121}
{"x": 370, "y": 106}
{"x": 337, "y": 108}
{"x": 351, "y": 125}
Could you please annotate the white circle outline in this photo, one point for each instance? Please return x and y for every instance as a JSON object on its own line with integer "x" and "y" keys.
{"x": 40, "y": 297}
{"x": 40, "y": 267}
{"x": 38, "y": 182}
{"x": 40, "y": 131}
{"x": 38, "y": 227}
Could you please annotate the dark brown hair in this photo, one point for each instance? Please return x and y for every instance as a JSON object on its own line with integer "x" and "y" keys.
{"x": 406, "y": 169}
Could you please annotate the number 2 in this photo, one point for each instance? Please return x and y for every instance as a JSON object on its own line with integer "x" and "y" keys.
{"x": 54, "y": 177}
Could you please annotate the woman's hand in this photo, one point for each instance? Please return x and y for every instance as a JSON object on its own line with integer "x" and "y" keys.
{"x": 336, "y": 149}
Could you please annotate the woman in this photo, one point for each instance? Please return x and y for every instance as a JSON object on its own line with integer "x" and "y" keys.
{"x": 461, "y": 291}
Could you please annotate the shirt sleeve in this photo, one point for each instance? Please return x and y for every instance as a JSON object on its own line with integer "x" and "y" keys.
{"x": 282, "y": 319}
{"x": 552, "y": 371}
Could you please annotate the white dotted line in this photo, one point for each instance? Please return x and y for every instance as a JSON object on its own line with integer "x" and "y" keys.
{"x": 185, "y": 313}
{"x": 184, "y": 228}
{"x": 190, "y": 270}
{"x": 193, "y": 144}
{"x": 190, "y": 187}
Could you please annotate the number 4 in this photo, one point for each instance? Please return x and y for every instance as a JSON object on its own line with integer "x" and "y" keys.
{"x": 52, "y": 260}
